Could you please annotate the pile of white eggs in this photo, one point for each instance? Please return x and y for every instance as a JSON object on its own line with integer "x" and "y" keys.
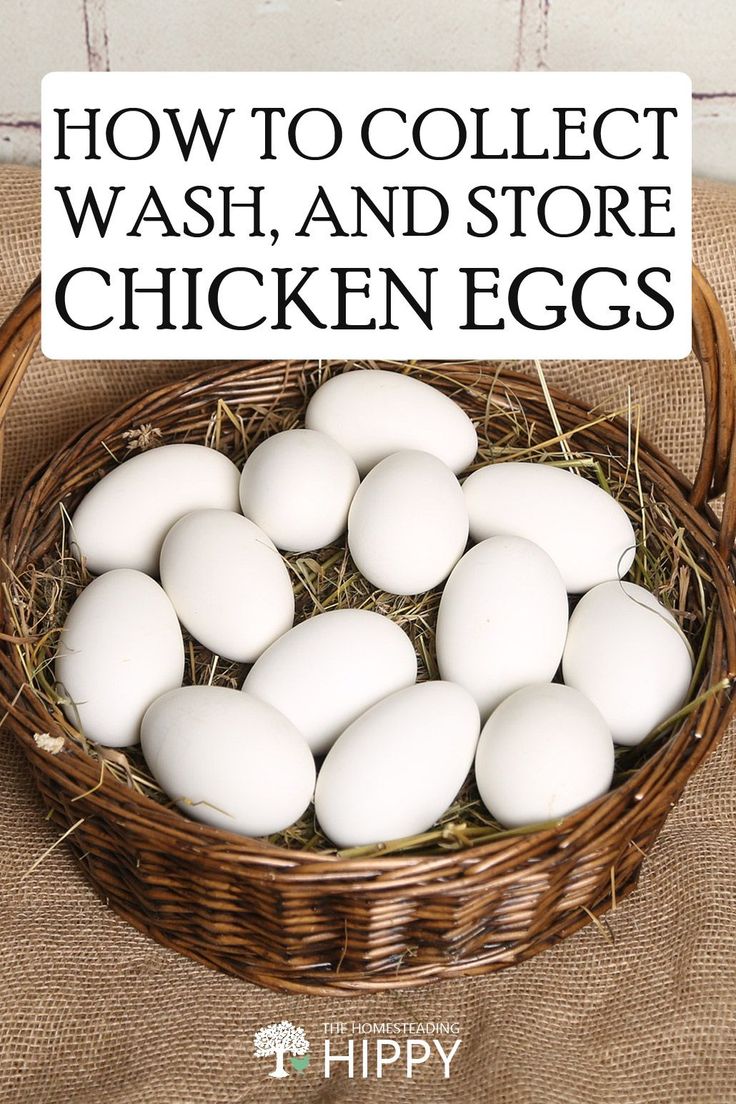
{"x": 379, "y": 458}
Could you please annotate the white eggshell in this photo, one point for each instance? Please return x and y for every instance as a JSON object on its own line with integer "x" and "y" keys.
{"x": 326, "y": 671}
{"x": 373, "y": 413}
{"x": 227, "y": 582}
{"x": 408, "y": 524}
{"x": 584, "y": 529}
{"x": 228, "y": 760}
{"x": 298, "y": 486}
{"x": 626, "y": 652}
{"x": 396, "y": 769}
{"x": 120, "y": 648}
{"x": 123, "y": 519}
{"x": 544, "y": 752}
{"x": 502, "y": 620}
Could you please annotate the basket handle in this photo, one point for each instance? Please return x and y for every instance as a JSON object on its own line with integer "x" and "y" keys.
{"x": 714, "y": 348}
{"x": 20, "y": 333}
{"x": 712, "y": 345}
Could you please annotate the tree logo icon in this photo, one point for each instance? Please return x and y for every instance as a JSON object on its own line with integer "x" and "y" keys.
{"x": 279, "y": 1039}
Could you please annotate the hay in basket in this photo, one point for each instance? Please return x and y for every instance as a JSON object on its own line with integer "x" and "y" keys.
{"x": 327, "y": 579}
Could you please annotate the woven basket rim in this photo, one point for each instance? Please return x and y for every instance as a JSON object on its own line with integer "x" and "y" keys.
{"x": 171, "y": 821}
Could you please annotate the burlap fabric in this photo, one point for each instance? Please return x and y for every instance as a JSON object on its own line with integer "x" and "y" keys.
{"x": 93, "y": 1012}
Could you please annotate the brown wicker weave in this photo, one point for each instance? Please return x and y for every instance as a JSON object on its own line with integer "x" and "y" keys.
{"x": 316, "y": 922}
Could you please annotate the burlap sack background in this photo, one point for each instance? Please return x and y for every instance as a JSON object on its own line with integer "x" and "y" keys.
{"x": 91, "y": 1011}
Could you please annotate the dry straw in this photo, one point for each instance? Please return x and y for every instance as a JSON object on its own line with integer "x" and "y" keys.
{"x": 466, "y": 896}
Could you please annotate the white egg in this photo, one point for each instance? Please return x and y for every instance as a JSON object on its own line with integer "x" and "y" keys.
{"x": 584, "y": 529}
{"x": 626, "y": 652}
{"x": 123, "y": 519}
{"x": 395, "y": 770}
{"x": 408, "y": 524}
{"x": 227, "y": 582}
{"x": 502, "y": 620}
{"x": 544, "y": 752}
{"x": 326, "y": 671}
{"x": 298, "y": 486}
{"x": 228, "y": 759}
{"x": 120, "y": 648}
{"x": 373, "y": 413}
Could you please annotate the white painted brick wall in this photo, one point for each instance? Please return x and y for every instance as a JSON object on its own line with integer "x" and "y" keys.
{"x": 700, "y": 39}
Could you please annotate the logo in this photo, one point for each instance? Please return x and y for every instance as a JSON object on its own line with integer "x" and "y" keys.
{"x": 363, "y": 1050}
{"x": 277, "y": 1040}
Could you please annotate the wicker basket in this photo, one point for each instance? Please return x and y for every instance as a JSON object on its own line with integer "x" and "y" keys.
{"x": 315, "y": 922}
